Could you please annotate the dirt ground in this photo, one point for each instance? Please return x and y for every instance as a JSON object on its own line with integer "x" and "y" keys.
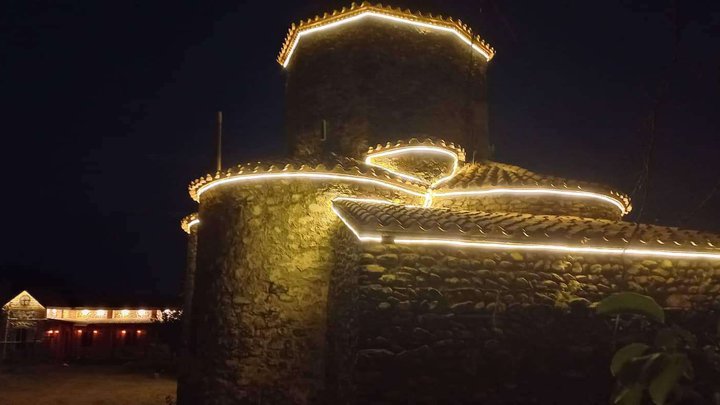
{"x": 84, "y": 385}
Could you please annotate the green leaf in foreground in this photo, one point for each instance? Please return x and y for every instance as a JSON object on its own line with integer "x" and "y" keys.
{"x": 673, "y": 367}
{"x": 628, "y": 302}
{"x": 626, "y": 353}
{"x": 631, "y": 395}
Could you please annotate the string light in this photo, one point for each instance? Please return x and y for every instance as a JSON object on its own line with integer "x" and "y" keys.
{"x": 551, "y": 248}
{"x": 535, "y": 191}
{"x": 395, "y": 18}
{"x": 413, "y": 150}
{"x": 313, "y": 176}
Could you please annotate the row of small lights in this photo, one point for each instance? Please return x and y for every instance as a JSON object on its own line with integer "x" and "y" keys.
{"x": 103, "y": 312}
{"x": 95, "y": 332}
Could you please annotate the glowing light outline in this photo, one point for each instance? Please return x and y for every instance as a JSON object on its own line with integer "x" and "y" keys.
{"x": 417, "y": 149}
{"x": 526, "y": 246}
{"x": 371, "y": 13}
{"x": 316, "y": 175}
{"x": 537, "y": 190}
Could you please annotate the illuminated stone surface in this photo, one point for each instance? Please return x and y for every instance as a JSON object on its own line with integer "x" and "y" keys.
{"x": 293, "y": 299}
{"x": 372, "y": 78}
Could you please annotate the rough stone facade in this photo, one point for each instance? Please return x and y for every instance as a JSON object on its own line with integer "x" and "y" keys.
{"x": 382, "y": 80}
{"x": 265, "y": 257}
{"x": 443, "y": 325}
{"x": 297, "y": 297}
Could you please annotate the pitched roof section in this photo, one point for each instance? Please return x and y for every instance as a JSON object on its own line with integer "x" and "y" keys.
{"x": 340, "y": 167}
{"x": 355, "y": 12}
{"x": 401, "y": 221}
{"x": 412, "y": 142}
{"x": 488, "y": 174}
{"x": 23, "y": 301}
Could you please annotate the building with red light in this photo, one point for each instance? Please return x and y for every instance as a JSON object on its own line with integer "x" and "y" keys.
{"x": 32, "y": 330}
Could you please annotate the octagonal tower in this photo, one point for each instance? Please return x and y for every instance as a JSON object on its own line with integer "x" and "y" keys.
{"x": 365, "y": 74}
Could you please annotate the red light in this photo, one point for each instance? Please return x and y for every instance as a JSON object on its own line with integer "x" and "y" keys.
{"x": 79, "y": 332}
{"x": 57, "y": 331}
{"x": 123, "y": 331}
{"x": 138, "y": 331}
{"x": 95, "y": 332}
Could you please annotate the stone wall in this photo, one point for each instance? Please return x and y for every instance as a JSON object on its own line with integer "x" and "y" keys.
{"x": 259, "y": 314}
{"x": 441, "y": 325}
{"x": 185, "y": 381}
{"x": 376, "y": 80}
{"x": 540, "y": 205}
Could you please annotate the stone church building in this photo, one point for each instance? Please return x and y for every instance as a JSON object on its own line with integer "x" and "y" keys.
{"x": 388, "y": 260}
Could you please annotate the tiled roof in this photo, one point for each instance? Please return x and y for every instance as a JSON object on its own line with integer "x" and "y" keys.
{"x": 487, "y": 174}
{"x": 186, "y": 222}
{"x": 394, "y": 219}
{"x": 334, "y": 165}
{"x": 432, "y": 142}
{"x": 397, "y": 14}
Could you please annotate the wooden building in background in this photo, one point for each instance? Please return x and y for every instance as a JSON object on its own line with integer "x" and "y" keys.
{"x": 30, "y": 330}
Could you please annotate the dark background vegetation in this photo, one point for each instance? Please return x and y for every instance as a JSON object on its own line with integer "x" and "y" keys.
{"x": 109, "y": 108}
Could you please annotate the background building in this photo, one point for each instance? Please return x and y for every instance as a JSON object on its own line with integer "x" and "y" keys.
{"x": 32, "y": 331}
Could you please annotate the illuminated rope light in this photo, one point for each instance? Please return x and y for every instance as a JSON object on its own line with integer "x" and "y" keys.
{"x": 562, "y": 248}
{"x": 527, "y": 246}
{"x": 357, "y": 234}
{"x": 368, "y": 13}
{"x": 414, "y": 150}
{"x": 526, "y": 191}
{"x": 315, "y": 176}
{"x": 193, "y": 223}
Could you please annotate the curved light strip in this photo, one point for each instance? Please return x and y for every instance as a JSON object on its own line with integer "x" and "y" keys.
{"x": 413, "y": 150}
{"x": 314, "y": 176}
{"x": 368, "y": 13}
{"x": 530, "y": 246}
{"x": 193, "y": 223}
{"x": 527, "y": 191}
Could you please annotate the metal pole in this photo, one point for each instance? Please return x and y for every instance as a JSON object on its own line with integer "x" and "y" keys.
{"x": 219, "y": 140}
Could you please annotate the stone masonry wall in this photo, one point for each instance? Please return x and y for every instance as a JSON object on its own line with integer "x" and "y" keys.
{"x": 442, "y": 325}
{"x": 376, "y": 80}
{"x": 264, "y": 260}
{"x": 540, "y": 205}
{"x": 185, "y": 381}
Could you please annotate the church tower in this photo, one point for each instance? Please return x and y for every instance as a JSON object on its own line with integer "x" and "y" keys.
{"x": 363, "y": 75}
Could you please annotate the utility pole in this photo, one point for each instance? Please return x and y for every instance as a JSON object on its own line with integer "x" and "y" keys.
{"x": 219, "y": 140}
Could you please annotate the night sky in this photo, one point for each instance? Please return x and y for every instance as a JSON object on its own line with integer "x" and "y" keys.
{"x": 109, "y": 112}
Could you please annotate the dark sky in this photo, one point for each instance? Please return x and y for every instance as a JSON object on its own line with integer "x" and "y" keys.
{"x": 109, "y": 107}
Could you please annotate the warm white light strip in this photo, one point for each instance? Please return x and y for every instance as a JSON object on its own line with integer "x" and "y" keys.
{"x": 368, "y": 13}
{"x": 414, "y": 149}
{"x": 352, "y": 229}
{"x": 193, "y": 223}
{"x": 530, "y": 246}
{"x": 527, "y": 191}
{"x": 314, "y": 176}
{"x": 562, "y": 248}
